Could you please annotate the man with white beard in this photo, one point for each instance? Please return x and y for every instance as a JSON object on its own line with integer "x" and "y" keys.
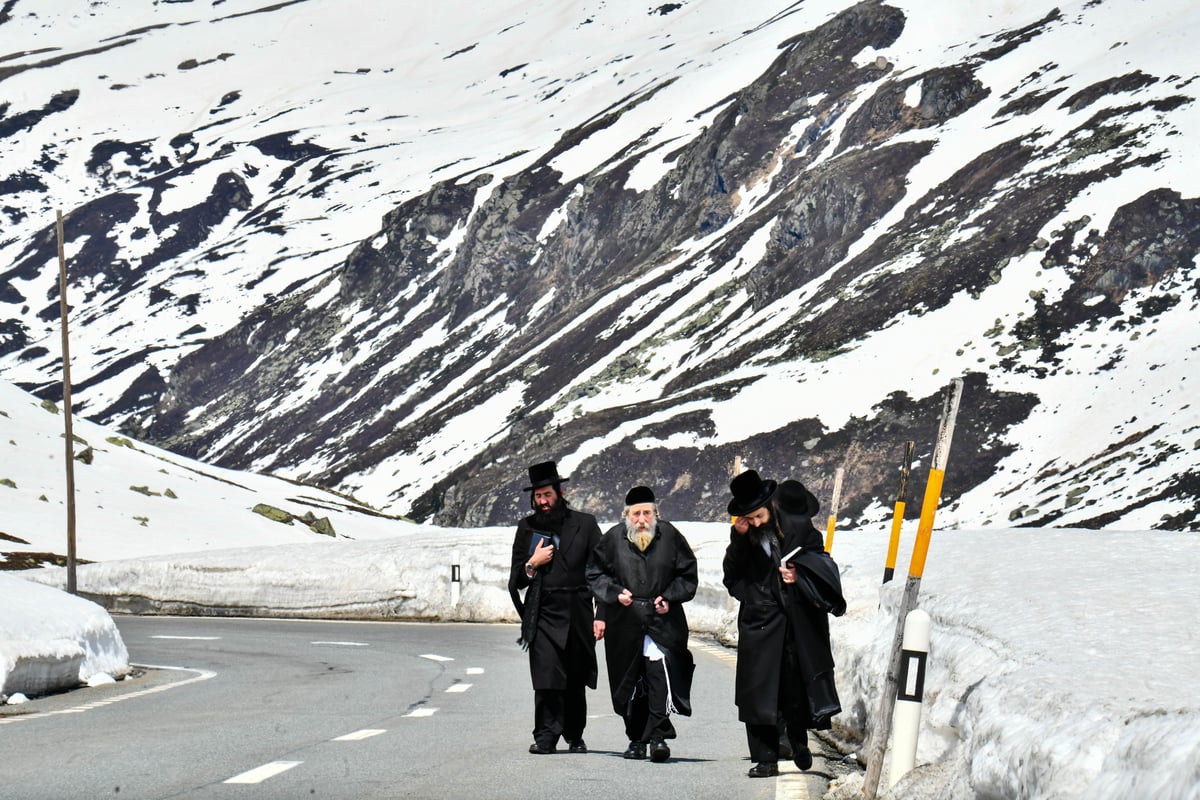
{"x": 644, "y": 570}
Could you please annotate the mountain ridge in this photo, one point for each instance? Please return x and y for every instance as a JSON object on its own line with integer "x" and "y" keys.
{"x": 746, "y": 286}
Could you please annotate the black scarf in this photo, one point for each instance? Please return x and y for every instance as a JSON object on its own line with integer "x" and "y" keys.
{"x": 551, "y": 522}
{"x": 529, "y": 618}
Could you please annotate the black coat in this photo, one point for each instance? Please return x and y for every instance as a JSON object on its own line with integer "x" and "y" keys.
{"x": 774, "y": 620}
{"x": 557, "y": 606}
{"x": 666, "y": 569}
{"x": 816, "y": 594}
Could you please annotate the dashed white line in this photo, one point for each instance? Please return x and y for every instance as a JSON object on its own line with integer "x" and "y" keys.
{"x": 474, "y": 670}
{"x": 344, "y": 644}
{"x": 435, "y": 657}
{"x": 188, "y": 638}
{"x": 358, "y": 736}
{"x": 421, "y": 712}
{"x": 460, "y": 687}
{"x": 260, "y": 774}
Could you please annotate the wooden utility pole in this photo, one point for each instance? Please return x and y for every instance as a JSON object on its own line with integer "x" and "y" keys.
{"x": 70, "y": 434}
{"x": 933, "y": 493}
{"x": 735, "y": 470}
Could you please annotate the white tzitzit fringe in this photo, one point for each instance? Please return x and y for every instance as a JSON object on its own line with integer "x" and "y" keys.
{"x": 651, "y": 651}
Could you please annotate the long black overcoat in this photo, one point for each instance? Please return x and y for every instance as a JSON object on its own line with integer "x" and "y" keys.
{"x": 752, "y": 577}
{"x": 563, "y": 607}
{"x": 666, "y": 569}
{"x": 767, "y": 610}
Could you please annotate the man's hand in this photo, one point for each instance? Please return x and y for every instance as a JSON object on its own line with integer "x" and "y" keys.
{"x": 741, "y": 525}
{"x": 661, "y": 606}
{"x": 541, "y": 554}
{"x": 788, "y": 573}
{"x": 598, "y": 629}
{"x": 625, "y": 598}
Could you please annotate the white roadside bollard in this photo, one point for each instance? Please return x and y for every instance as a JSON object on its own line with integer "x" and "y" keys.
{"x": 455, "y": 580}
{"x": 910, "y": 689}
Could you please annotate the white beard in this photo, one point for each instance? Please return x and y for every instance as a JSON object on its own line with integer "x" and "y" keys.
{"x": 640, "y": 539}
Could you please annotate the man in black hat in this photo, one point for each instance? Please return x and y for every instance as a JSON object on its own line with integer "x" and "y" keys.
{"x": 784, "y": 666}
{"x": 559, "y": 625}
{"x": 644, "y": 570}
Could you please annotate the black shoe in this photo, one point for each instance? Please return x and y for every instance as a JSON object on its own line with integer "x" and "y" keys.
{"x": 541, "y": 750}
{"x": 659, "y": 752}
{"x": 803, "y": 758}
{"x": 578, "y": 746}
{"x": 635, "y": 750}
{"x": 785, "y": 750}
{"x": 764, "y": 769}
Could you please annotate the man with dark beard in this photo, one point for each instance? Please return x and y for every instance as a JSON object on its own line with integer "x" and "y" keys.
{"x": 786, "y": 583}
{"x": 643, "y": 570}
{"x": 558, "y": 624}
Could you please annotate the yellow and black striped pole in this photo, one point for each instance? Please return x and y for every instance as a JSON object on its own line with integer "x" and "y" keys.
{"x": 831, "y": 522}
{"x": 889, "y": 569}
{"x": 933, "y": 493}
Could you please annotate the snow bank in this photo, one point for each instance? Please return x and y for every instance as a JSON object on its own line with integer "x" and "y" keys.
{"x": 1063, "y": 663}
{"x": 51, "y": 640}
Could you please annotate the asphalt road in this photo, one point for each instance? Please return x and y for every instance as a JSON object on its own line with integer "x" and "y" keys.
{"x": 238, "y": 708}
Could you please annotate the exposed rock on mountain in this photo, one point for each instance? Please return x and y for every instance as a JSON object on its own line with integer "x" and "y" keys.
{"x": 659, "y": 282}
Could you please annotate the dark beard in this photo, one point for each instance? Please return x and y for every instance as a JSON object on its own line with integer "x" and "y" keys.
{"x": 551, "y": 520}
{"x": 757, "y": 535}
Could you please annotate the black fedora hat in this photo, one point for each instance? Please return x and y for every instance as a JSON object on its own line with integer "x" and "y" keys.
{"x": 543, "y": 474}
{"x": 795, "y": 498}
{"x": 749, "y": 492}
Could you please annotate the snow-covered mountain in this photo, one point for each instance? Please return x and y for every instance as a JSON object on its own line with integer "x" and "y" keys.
{"x": 133, "y": 500}
{"x": 406, "y": 251}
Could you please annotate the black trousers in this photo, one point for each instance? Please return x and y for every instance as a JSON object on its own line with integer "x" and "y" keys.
{"x": 559, "y": 712}
{"x": 646, "y": 717}
{"x": 563, "y": 712}
{"x": 764, "y": 740}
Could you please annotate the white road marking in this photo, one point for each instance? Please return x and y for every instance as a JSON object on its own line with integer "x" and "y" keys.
{"x": 201, "y": 675}
{"x": 358, "y": 736}
{"x": 260, "y": 774}
{"x": 344, "y": 644}
{"x": 792, "y": 784}
{"x": 433, "y": 657}
{"x": 474, "y": 670}
{"x": 460, "y": 687}
{"x": 188, "y": 638}
{"x": 421, "y": 712}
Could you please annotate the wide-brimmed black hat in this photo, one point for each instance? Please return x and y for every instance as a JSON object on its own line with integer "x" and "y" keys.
{"x": 749, "y": 492}
{"x": 639, "y": 494}
{"x": 543, "y": 474}
{"x": 795, "y": 498}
